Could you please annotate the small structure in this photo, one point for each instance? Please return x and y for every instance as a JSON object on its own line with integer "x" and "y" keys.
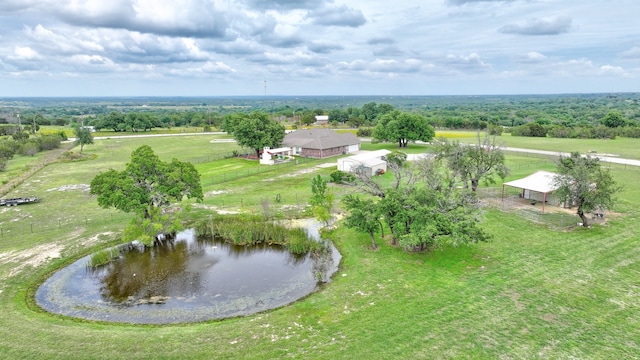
{"x": 321, "y": 143}
{"x": 373, "y": 161}
{"x": 322, "y": 119}
{"x": 273, "y": 156}
{"x": 537, "y": 187}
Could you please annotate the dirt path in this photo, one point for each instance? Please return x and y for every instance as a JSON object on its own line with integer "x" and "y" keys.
{"x": 51, "y": 157}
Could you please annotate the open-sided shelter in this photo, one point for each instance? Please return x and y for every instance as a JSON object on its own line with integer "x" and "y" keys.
{"x": 538, "y": 186}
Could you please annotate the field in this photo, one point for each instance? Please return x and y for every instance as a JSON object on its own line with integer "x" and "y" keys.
{"x": 534, "y": 291}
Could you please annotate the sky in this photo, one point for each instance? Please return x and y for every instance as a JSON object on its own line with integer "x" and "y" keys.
{"x": 317, "y": 47}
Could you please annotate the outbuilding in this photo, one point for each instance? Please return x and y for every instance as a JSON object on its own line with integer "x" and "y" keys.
{"x": 538, "y": 187}
{"x": 373, "y": 161}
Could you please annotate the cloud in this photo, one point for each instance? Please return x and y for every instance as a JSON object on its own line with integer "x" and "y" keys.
{"x": 633, "y": 53}
{"x": 381, "y": 41}
{"x": 467, "y": 63}
{"x": 337, "y": 16}
{"x": 24, "y": 53}
{"x": 532, "y": 57}
{"x": 543, "y": 26}
{"x": 324, "y": 47}
{"x": 388, "y": 51}
{"x": 464, "y": 2}
{"x": 7, "y": 6}
{"x": 283, "y": 4}
{"x": 189, "y": 18}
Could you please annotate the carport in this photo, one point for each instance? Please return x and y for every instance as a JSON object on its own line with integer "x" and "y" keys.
{"x": 537, "y": 186}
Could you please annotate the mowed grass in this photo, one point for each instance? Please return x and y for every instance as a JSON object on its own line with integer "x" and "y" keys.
{"x": 531, "y": 292}
{"x": 620, "y": 147}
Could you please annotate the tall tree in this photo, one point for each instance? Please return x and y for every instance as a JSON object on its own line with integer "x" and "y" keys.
{"x": 584, "y": 183}
{"x": 147, "y": 187}
{"x": 361, "y": 216}
{"x": 83, "y": 136}
{"x": 254, "y": 130}
{"x": 474, "y": 163}
{"x": 614, "y": 119}
{"x": 403, "y": 127}
{"x": 321, "y": 199}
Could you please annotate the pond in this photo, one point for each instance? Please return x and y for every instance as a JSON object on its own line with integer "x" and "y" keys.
{"x": 188, "y": 279}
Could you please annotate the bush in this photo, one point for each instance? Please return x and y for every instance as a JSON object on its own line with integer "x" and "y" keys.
{"x": 530, "y": 129}
{"x": 8, "y": 148}
{"x": 3, "y": 163}
{"x": 341, "y": 177}
{"x": 49, "y": 142}
{"x": 364, "y": 132}
{"x": 495, "y": 130}
{"x": 29, "y": 149}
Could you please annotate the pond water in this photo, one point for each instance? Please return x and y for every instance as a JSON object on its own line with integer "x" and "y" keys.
{"x": 188, "y": 279}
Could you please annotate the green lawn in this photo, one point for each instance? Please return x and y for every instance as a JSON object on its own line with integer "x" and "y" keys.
{"x": 534, "y": 291}
{"x": 620, "y": 147}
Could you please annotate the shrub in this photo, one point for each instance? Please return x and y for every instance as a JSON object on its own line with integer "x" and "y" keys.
{"x": 3, "y": 163}
{"x": 29, "y": 149}
{"x": 364, "y": 132}
{"x": 50, "y": 142}
{"x": 341, "y": 177}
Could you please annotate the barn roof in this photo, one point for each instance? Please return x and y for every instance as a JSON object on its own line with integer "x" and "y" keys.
{"x": 540, "y": 181}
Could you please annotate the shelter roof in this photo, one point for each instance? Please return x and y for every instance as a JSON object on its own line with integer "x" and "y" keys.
{"x": 540, "y": 181}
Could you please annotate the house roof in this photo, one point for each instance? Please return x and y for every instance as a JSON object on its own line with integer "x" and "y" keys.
{"x": 540, "y": 181}
{"x": 319, "y": 139}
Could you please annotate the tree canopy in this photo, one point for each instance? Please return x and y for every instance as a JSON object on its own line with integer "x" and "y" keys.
{"x": 474, "y": 162}
{"x": 584, "y": 183}
{"x": 402, "y": 127}
{"x": 254, "y": 130}
{"x": 146, "y": 187}
{"x": 83, "y": 136}
{"x": 422, "y": 207}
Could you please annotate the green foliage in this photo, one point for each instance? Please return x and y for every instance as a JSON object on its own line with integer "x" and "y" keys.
{"x": 147, "y": 187}
{"x": 254, "y": 130}
{"x": 402, "y": 127}
{"x": 361, "y": 216}
{"x": 252, "y": 230}
{"x": 584, "y": 183}
{"x": 341, "y": 177}
{"x": 474, "y": 163}
{"x": 531, "y": 129}
{"x": 364, "y": 132}
{"x": 614, "y": 119}
{"x": 321, "y": 199}
{"x": 103, "y": 257}
{"x": 83, "y": 136}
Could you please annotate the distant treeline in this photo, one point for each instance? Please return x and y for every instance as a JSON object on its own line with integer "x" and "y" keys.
{"x": 576, "y": 116}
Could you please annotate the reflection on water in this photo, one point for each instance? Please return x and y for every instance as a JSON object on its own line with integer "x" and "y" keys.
{"x": 189, "y": 279}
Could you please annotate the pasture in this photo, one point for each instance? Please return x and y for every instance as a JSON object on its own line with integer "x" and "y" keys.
{"x": 534, "y": 291}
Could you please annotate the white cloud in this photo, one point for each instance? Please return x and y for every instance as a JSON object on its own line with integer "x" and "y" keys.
{"x": 24, "y": 53}
{"x": 542, "y": 26}
{"x": 358, "y": 45}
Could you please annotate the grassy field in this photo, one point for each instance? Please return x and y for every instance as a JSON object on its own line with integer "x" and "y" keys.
{"x": 621, "y": 147}
{"x": 534, "y": 291}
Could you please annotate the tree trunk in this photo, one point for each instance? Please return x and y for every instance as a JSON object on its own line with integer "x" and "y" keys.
{"x": 373, "y": 241}
{"x": 381, "y": 228}
{"x": 474, "y": 184}
{"x": 257, "y": 153}
{"x": 585, "y": 221}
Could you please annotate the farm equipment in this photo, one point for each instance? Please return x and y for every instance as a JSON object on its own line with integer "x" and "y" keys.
{"x": 18, "y": 201}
